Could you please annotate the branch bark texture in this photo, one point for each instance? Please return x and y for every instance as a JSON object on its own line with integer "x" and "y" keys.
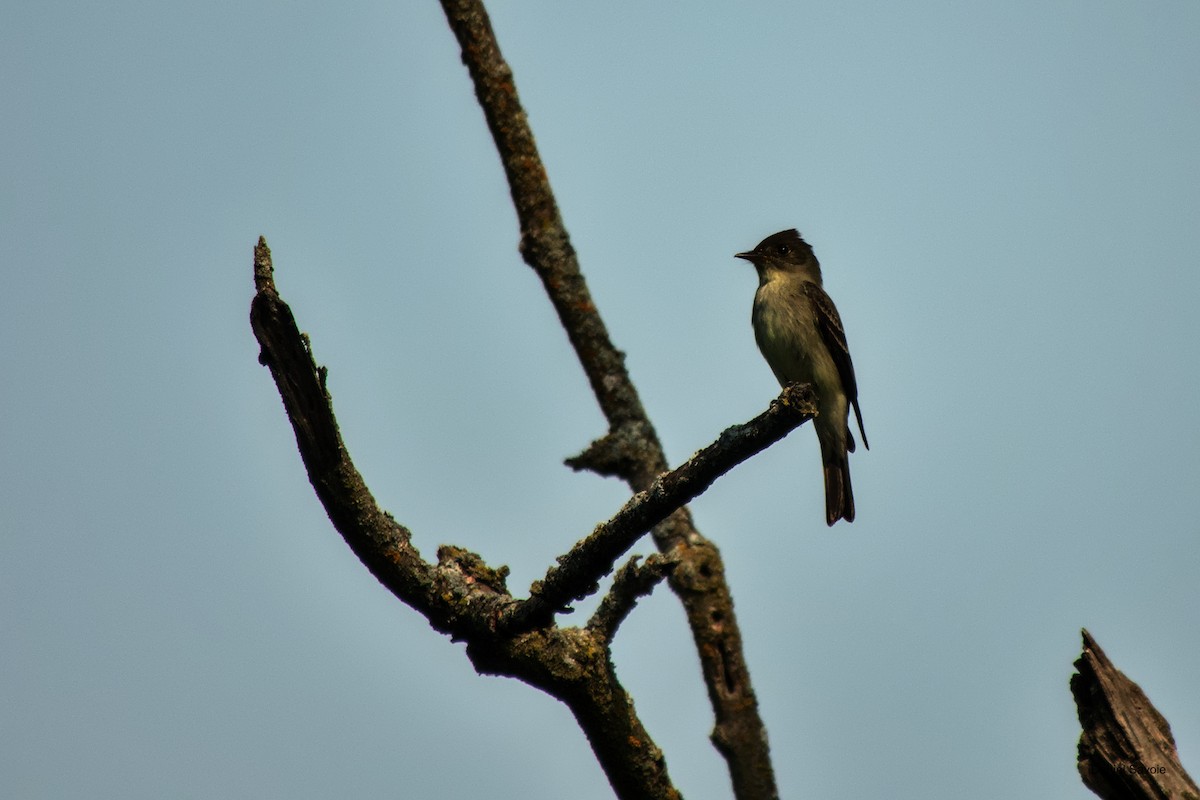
{"x": 1126, "y": 751}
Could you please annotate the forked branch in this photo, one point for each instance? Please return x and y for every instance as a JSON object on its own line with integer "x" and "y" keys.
{"x": 630, "y": 449}
{"x": 464, "y": 597}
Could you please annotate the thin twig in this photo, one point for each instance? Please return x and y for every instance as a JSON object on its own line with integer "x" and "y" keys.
{"x": 578, "y": 572}
{"x": 629, "y": 584}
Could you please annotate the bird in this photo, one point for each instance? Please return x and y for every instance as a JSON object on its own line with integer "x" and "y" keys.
{"x": 800, "y": 334}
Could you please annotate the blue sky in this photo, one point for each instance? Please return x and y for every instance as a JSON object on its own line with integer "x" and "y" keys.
{"x": 1004, "y": 199}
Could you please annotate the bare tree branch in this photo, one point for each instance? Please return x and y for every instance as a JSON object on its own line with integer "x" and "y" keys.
{"x": 578, "y": 571}
{"x": 629, "y": 584}
{"x": 1126, "y": 751}
{"x": 460, "y": 595}
{"x": 451, "y": 603}
{"x": 630, "y": 449}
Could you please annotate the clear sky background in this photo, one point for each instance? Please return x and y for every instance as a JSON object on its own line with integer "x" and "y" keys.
{"x": 1005, "y": 200}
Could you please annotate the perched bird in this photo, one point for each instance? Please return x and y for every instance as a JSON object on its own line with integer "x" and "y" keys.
{"x": 800, "y": 335}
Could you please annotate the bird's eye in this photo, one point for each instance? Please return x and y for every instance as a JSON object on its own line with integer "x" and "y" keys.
{"x": 782, "y": 249}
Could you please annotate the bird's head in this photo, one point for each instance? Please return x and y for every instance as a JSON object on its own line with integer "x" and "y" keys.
{"x": 784, "y": 252}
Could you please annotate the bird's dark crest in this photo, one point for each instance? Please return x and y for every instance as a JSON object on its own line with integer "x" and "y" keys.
{"x": 790, "y": 239}
{"x": 785, "y": 245}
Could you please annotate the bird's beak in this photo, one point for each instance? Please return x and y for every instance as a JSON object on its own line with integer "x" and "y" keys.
{"x": 749, "y": 255}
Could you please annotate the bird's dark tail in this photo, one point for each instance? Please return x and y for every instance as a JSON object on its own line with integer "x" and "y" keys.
{"x": 839, "y": 498}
